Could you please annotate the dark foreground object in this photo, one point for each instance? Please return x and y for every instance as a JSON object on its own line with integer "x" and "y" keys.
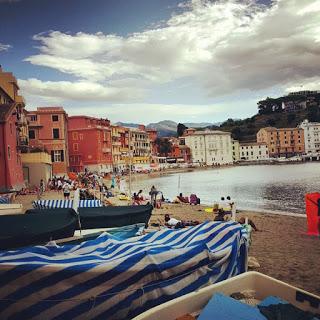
{"x": 33, "y": 228}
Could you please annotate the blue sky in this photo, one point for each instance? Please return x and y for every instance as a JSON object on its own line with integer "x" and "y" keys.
{"x": 150, "y": 60}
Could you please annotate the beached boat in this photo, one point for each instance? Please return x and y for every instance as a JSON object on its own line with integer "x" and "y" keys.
{"x": 252, "y": 283}
{"x": 107, "y": 278}
{"x": 111, "y": 217}
{"x": 93, "y": 215}
{"x": 19, "y": 230}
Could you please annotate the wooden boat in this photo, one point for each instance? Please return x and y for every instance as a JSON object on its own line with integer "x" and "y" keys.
{"x": 261, "y": 285}
{"x": 10, "y": 208}
{"x": 19, "y": 230}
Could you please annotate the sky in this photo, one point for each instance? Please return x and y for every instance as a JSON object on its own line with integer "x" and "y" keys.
{"x": 144, "y": 61}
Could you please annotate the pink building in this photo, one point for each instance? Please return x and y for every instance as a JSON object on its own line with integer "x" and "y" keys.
{"x": 48, "y": 130}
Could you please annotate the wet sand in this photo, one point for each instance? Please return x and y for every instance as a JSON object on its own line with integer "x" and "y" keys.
{"x": 280, "y": 246}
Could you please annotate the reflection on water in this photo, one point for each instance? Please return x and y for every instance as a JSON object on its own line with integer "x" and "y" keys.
{"x": 272, "y": 187}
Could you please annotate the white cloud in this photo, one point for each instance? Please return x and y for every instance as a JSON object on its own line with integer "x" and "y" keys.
{"x": 4, "y": 47}
{"x": 82, "y": 90}
{"x": 224, "y": 46}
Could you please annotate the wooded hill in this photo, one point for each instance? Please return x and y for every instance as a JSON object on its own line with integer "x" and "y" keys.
{"x": 246, "y": 129}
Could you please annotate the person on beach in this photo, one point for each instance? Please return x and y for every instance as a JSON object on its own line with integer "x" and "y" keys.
{"x": 178, "y": 224}
{"x": 42, "y": 187}
{"x": 66, "y": 191}
{"x": 153, "y": 193}
{"x": 220, "y": 215}
{"x": 250, "y": 222}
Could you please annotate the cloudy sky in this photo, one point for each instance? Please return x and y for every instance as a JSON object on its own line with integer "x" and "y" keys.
{"x": 150, "y": 60}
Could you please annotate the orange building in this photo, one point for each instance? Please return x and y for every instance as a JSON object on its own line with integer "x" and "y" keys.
{"x": 48, "y": 131}
{"x": 153, "y": 135}
{"x": 284, "y": 142}
{"x": 89, "y": 144}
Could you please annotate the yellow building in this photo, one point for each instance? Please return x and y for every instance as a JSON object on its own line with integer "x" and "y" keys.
{"x": 36, "y": 166}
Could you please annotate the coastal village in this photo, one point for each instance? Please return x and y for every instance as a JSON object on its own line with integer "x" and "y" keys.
{"x": 40, "y": 144}
{"x": 55, "y": 167}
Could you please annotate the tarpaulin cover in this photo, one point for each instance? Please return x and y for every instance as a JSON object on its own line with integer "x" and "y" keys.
{"x": 110, "y": 279}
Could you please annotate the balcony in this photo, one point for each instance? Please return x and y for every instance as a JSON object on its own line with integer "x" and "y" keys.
{"x": 116, "y": 143}
{"x": 106, "y": 150}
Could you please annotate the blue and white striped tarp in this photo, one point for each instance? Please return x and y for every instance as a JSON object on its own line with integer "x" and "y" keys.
{"x": 4, "y": 199}
{"x": 49, "y": 204}
{"x": 110, "y": 279}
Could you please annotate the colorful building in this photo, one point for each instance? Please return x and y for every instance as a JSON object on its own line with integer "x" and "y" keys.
{"x": 90, "y": 146}
{"x": 153, "y": 135}
{"x": 284, "y": 142}
{"x": 13, "y": 128}
{"x": 120, "y": 147}
{"x": 140, "y": 147}
{"x": 48, "y": 131}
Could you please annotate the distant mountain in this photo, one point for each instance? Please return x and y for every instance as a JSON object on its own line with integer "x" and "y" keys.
{"x": 201, "y": 124}
{"x": 167, "y": 128}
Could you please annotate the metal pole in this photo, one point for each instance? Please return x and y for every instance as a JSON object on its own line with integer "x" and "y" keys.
{"x": 130, "y": 161}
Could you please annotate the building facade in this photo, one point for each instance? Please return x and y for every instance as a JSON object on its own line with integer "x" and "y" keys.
{"x": 311, "y": 137}
{"x": 253, "y": 151}
{"x": 210, "y": 147}
{"x": 90, "y": 146}
{"x": 284, "y": 142}
{"x": 48, "y": 131}
{"x": 36, "y": 166}
{"x": 13, "y": 128}
{"x": 140, "y": 146}
{"x": 120, "y": 147}
{"x": 235, "y": 150}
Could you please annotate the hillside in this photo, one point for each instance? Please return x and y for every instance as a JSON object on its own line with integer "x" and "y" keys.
{"x": 246, "y": 129}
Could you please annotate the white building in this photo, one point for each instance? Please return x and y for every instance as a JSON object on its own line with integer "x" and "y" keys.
{"x": 253, "y": 151}
{"x": 210, "y": 147}
{"x": 311, "y": 137}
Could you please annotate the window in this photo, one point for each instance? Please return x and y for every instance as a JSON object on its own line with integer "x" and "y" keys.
{"x": 32, "y": 134}
{"x": 55, "y": 118}
{"x": 57, "y": 156}
{"x": 33, "y": 117}
{"x": 80, "y": 136}
{"x": 10, "y": 127}
{"x": 9, "y": 153}
{"x": 75, "y": 135}
{"x": 75, "y": 147}
{"x": 55, "y": 133}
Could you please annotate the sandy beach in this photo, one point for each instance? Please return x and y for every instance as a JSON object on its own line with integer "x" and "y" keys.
{"x": 280, "y": 246}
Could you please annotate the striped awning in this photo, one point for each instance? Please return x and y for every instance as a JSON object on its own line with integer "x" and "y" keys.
{"x": 49, "y": 204}
{"x": 110, "y": 279}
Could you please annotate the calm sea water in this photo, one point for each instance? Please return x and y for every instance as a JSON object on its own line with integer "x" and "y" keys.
{"x": 269, "y": 187}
